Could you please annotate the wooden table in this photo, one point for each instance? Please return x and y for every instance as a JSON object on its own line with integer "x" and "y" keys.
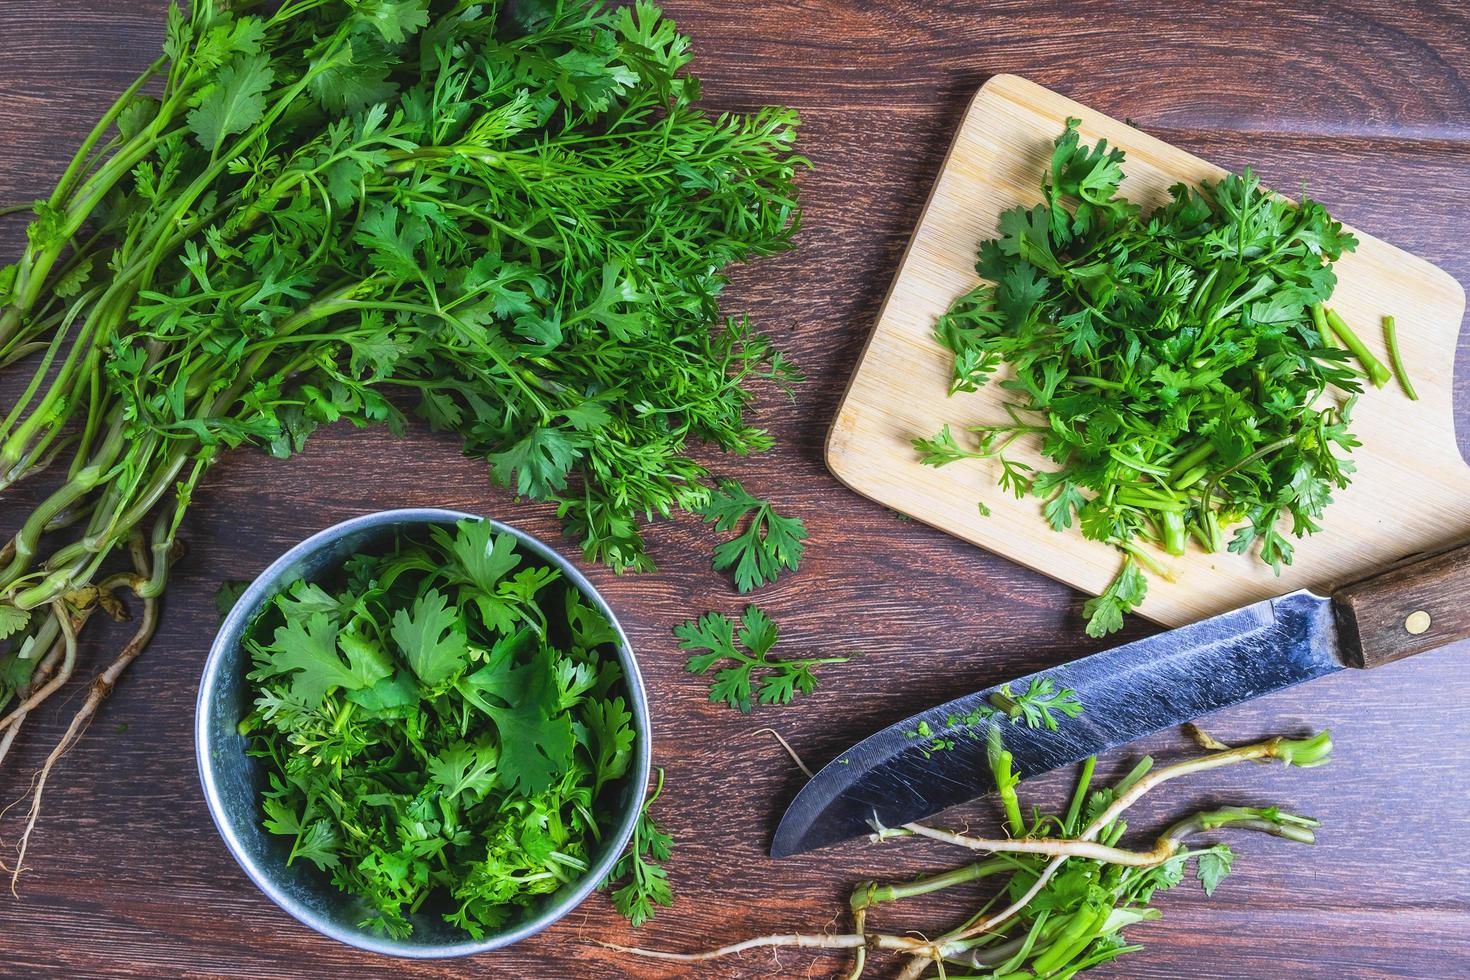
{"x": 1367, "y": 101}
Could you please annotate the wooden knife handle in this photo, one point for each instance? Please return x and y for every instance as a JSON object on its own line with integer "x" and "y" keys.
{"x": 1415, "y": 606}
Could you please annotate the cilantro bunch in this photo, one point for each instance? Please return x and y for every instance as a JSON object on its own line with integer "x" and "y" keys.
{"x": 1061, "y": 891}
{"x": 1168, "y": 363}
{"x": 512, "y": 218}
{"x": 443, "y": 730}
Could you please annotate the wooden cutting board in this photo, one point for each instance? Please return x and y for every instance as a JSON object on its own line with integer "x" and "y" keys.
{"x": 1412, "y": 489}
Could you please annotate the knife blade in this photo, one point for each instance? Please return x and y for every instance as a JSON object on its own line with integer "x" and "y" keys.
{"x": 897, "y": 776}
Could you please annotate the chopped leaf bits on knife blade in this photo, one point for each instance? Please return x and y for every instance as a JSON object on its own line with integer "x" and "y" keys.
{"x": 1178, "y": 366}
{"x": 1036, "y": 707}
{"x": 511, "y": 218}
{"x": 444, "y": 728}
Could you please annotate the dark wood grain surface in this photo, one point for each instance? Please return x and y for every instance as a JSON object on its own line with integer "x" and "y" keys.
{"x": 1366, "y": 101}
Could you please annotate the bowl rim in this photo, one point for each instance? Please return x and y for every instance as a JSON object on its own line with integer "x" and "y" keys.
{"x": 230, "y": 634}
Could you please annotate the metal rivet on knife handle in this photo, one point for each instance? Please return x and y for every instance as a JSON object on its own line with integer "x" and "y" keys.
{"x": 1434, "y": 591}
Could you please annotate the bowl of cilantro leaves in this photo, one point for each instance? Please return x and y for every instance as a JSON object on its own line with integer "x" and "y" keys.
{"x": 423, "y": 733}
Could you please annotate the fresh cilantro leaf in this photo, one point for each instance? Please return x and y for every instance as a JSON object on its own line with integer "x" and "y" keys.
{"x": 609, "y": 724}
{"x": 537, "y": 466}
{"x": 1035, "y": 706}
{"x": 535, "y": 745}
{"x": 356, "y": 77}
{"x": 317, "y": 844}
{"x": 393, "y": 240}
{"x": 234, "y": 103}
{"x": 769, "y": 544}
{"x": 396, "y": 20}
{"x": 12, "y": 620}
{"x": 1212, "y": 867}
{"x": 645, "y": 882}
{"x": 431, "y": 637}
{"x": 302, "y": 598}
{"x": 485, "y": 556}
{"x": 752, "y": 674}
{"x": 307, "y": 650}
{"x": 1105, "y": 613}
{"x": 464, "y": 768}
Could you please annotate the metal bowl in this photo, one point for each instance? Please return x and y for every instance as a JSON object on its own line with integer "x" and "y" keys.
{"x": 233, "y": 780}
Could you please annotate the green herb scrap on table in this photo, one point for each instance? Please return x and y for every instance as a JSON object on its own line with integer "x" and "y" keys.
{"x": 1068, "y": 888}
{"x": 511, "y": 218}
{"x": 445, "y": 727}
{"x": 1178, "y": 367}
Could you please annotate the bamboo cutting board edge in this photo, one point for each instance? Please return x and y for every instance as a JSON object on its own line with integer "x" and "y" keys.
{"x": 1091, "y": 564}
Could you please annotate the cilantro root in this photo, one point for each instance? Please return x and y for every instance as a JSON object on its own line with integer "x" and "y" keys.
{"x": 1072, "y": 889}
{"x": 1177, "y": 368}
{"x": 53, "y": 670}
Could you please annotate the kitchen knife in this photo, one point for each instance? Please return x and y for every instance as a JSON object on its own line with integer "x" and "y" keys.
{"x": 898, "y": 775}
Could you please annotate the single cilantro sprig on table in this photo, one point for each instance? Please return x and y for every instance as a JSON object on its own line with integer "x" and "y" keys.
{"x": 640, "y": 880}
{"x": 769, "y": 543}
{"x": 1173, "y": 366}
{"x": 445, "y": 718}
{"x": 754, "y": 675}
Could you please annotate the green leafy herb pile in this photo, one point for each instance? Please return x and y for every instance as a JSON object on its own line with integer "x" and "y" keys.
{"x": 444, "y": 729}
{"x": 513, "y": 217}
{"x": 1069, "y": 886}
{"x": 1171, "y": 364}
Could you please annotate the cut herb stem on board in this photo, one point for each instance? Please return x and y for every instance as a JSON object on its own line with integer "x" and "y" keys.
{"x": 1372, "y": 366}
{"x": 1178, "y": 368}
{"x": 514, "y": 219}
{"x": 1396, "y": 358}
{"x": 441, "y": 727}
{"x": 1070, "y": 886}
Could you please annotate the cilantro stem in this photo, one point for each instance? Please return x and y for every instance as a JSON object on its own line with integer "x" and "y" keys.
{"x": 1145, "y": 558}
{"x": 1079, "y": 795}
{"x": 1061, "y": 920}
{"x": 1375, "y": 369}
{"x": 1395, "y": 356}
{"x": 1171, "y": 524}
{"x": 871, "y": 893}
{"x": 1008, "y": 798}
{"x": 1188, "y": 463}
{"x": 1319, "y": 320}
